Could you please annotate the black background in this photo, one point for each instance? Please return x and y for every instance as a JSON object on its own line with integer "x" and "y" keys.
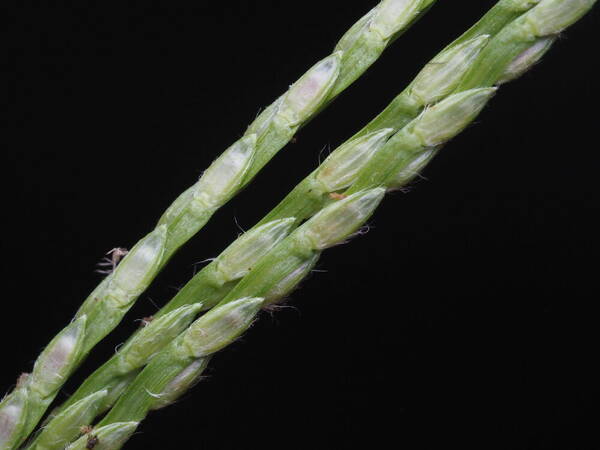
{"x": 466, "y": 317}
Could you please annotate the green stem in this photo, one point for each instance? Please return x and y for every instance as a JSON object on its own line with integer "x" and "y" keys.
{"x": 144, "y": 390}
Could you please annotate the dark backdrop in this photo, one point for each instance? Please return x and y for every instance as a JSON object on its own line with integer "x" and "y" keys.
{"x": 466, "y": 317}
